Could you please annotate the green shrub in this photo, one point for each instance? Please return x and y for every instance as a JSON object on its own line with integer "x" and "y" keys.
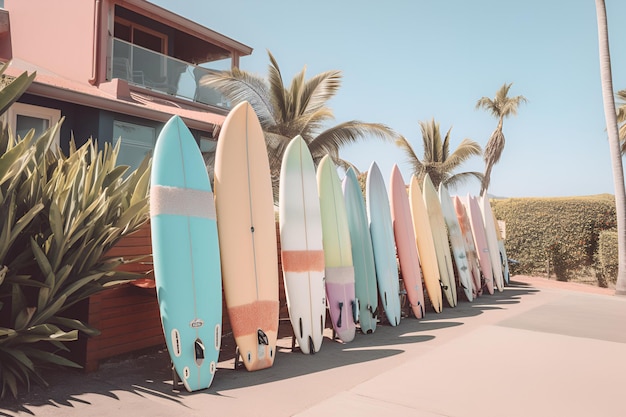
{"x": 533, "y": 224}
{"x": 559, "y": 260}
{"x": 58, "y": 216}
{"x": 607, "y": 261}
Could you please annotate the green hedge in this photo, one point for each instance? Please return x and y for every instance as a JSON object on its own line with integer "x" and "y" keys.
{"x": 607, "y": 257}
{"x": 535, "y": 227}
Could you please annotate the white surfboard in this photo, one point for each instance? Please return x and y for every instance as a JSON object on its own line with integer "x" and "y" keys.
{"x": 302, "y": 252}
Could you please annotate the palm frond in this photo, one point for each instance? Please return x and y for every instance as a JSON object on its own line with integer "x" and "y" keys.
{"x": 501, "y": 105}
{"x": 462, "y": 178}
{"x": 466, "y": 150}
{"x": 332, "y": 139}
{"x": 238, "y": 86}
{"x": 431, "y": 138}
{"x": 277, "y": 92}
{"x": 310, "y": 123}
{"x": 445, "y": 146}
{"x": 411, "y": 157}
{"x": 294, "y": 106}
{"x": 318, "y": 90}
{"x": 276, "y": 145}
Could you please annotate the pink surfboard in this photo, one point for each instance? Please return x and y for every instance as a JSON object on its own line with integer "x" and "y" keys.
{"x": 405, "y": 242}
{"x": 470, "y": 247}
{"x": 480, "y": 240}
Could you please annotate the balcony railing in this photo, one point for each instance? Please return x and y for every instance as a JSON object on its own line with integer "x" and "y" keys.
{"x": 148, "y": 69}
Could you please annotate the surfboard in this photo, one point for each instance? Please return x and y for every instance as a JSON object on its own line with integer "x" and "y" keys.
{"x": 381, "y": 229}
{"x": 302, "y": 253}
{"x": 468, "y": 238}
{"x": 457, "y": 245}
{"x": 340, "y": 285}
{"x": 247, "y": 232}
{"x": 503, "y": 257}
{"x": 425, "y": 245}
{"x": 480, "y": 240}
{"x": 492, "y": 242}
{"x": 186, "y": 255}
{"x": 406, "y": 245}
{"x": 362, "y": 253}
{"x": 440, "y": 238}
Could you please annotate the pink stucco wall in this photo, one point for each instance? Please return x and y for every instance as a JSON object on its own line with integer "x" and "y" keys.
{"x": 58, "y": 36}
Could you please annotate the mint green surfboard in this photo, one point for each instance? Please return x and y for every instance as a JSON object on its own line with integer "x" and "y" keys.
{"x": 186, "y": 255}
{"x": 362, "y": 253}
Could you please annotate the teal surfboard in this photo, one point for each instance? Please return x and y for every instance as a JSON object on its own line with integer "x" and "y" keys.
{"x": 362, "y": 253}
{"x": 381, "y": 228}
{"x": 186, "y": 255}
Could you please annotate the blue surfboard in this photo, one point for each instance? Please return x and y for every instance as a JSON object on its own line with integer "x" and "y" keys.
{"x": 186, "y": 255}
{"x": 383, "y": 242}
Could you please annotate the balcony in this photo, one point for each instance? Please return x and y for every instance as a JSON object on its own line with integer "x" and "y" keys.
{"x": 151, "y": 70}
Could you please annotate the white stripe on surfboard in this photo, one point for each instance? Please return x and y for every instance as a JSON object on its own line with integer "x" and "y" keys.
{"x": 181, "y": 201}
{"x": 340, "y": 274}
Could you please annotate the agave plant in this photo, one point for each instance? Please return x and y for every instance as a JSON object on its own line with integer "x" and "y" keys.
{"x": 59, "y": 215}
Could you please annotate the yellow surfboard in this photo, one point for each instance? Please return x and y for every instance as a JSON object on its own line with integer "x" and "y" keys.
{"x": 425, "y": 245}
{"x": 440, "y": 237}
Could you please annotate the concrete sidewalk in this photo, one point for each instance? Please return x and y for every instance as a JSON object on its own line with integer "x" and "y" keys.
{"x": 537, "y": 349}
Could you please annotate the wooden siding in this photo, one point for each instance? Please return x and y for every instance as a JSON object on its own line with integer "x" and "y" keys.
{"x": 128, "y": 315}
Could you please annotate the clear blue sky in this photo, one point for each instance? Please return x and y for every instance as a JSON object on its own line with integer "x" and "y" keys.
{"x": 413, "y": 60}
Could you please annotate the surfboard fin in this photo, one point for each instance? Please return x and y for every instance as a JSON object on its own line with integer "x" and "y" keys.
{"x": 355, "y": 310}
{"x": 262, "y": 338}
{"x": 340, "y": 314}
{"x": 311, "y": 346}
{"x": 373, "y": 312}
{"x": 198, "y": 349}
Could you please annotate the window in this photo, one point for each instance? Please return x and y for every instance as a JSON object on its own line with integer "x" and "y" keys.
{"x": 24, "y": 117}
{"x": 140, "y": 35}
{"x": 137, "y": 141}
{"x": 140, "y": 54}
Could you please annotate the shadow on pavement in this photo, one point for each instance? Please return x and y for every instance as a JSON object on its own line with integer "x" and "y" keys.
{"x": 148, "y": 373}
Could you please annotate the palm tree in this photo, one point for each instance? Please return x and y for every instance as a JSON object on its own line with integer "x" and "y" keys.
{"x": 438, "y": 162}
{"x": 301, "y": 109}
{"x": 621, "y": 118}
{"x": 500, "y": 106}
{"x": 614, "y": 146}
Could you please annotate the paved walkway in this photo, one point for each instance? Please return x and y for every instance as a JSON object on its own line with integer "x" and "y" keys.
{"x": 540, "y": 348}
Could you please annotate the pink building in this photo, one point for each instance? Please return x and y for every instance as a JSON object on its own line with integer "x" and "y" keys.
{"x": 114, "y": 69}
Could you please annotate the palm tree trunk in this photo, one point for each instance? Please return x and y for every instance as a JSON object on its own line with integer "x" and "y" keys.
{"x": 616, "y": 156}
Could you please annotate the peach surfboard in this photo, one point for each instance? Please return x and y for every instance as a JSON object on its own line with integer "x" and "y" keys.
{"x": 425, "y": 245}
{"x": 440, "y": 238}
{"x": 247, "y": 232}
